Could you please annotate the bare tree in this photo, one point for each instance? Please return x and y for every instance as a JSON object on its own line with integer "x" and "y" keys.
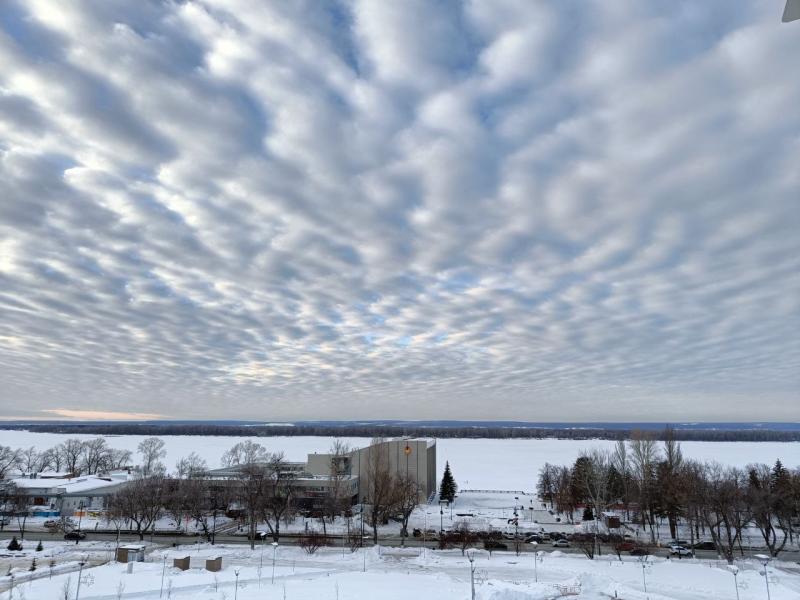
{"x": 244, "y": 453}
{"x": 279, "y": 492}
{"x": 594, "y": 480}
{"x": 191, "y": 466}
{"x": 9, "y": 460}
{"x": 152, "y": 451}
{"x": 672, "y": 497}
{"x": 96, "y": 456}
{"x": 547, "y": 483}
{"x": 16, "y": 501}
{"x": 406, "y": 500}
{"x": 50, "y": 460}
{"x": 119, "y": 459}
{"x": 462, "y": 536}
{"x": 71, "y": 451}
{"x": 141, "y": 502}
{"x": 644, "y": 454}
{"x": 250, "y": 493}
{"x": 723, "y": 508}
{"x": 765, "y": 502}
{"x": 565, "y": 500}
{"x": 620, "y": 460}
{"x": 30, "y": 460}
{"x": 380, "y": 491}
{"x": 336, "y": 496}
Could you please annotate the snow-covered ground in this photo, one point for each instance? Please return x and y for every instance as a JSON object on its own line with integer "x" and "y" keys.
{"x": 476, "y": 463}
{"x": 411, "y": 573}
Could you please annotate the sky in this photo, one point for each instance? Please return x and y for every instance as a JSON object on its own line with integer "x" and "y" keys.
{"x": 488, "y": 209}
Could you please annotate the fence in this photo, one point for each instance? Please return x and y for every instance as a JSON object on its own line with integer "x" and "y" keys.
{"x": 568, "y": 590}
{"x": 518, "y": 492}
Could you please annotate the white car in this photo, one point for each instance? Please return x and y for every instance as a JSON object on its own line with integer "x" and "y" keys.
{"x": 680, "y": 551}
{"x": 562, "y": 543}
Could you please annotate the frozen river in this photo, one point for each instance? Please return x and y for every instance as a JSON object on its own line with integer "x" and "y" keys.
{"x": 476, "y": 463}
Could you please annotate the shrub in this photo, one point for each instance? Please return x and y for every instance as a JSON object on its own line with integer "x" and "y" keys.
{"x": 312, "y": 541}
{"x": 14, "y": 545}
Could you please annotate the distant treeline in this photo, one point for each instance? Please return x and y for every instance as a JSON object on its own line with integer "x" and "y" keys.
{"x": 371, "y": 430}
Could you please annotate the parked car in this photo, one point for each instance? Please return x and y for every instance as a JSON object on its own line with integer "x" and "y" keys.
{"x": 679, "y": 551}
{"x": 50, "y": 523}
{"x": 562, "y": 543}
{"x": 625, "y": 546}
{"x": 494, "y": 545}
{"x": 534, "y": 538}
{"x": 705, "y": 546}
{"x": 640, "y": 551}
{"x": 75, "y": 535}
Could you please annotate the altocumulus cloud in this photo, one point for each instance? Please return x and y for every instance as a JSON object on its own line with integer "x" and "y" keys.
{"x": 513, "y": 209}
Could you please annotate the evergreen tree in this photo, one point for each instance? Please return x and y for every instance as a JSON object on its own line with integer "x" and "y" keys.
{"x": 39, "y": 546}
{"x": 14, "y": 544}
{"x": 33, "y": 565}
{"x": 448, "y": 487}
{"x": 588, "y": 515}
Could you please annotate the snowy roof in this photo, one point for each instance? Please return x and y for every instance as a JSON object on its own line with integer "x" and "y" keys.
{"x": 68, "y": 486}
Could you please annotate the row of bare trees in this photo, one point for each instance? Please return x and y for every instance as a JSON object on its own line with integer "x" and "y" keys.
{"x": 72, "y": 455}
{"x": 652, "y": 482}
{"x": 83, "y": 457}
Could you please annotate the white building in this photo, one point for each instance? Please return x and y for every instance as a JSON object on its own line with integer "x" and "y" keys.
{"x": 54, "y": 496}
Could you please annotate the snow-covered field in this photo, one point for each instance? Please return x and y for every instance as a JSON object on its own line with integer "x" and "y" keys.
{"x": 476, "y": 463}
{"x": 410, "y": 573}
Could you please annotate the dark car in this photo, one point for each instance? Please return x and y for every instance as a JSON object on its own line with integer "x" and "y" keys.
{"x": 705, "y": 546}
{"x": 494, "y": 545}
{"x": 639, "y": 551}
{"x": 75, "y": 535}
{"x": 534, "y": 538}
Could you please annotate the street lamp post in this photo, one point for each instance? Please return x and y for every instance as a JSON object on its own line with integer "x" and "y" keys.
{"x": 764, "y": 560}
{"x": 236, "y": 589}
{"x": 163, "y": 572}
{"x": 274, "y": 552}
{"x": 261, "y": 560}
{"x": 80, "y": 572}
{"x": 471, "y": 559}
{"x": 535, "y": 561}
{"x": 644, "y": 579}
{"x": 735, "y": 570}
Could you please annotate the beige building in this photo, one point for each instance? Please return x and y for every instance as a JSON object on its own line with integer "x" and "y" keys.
{"x": 414, "y": 458}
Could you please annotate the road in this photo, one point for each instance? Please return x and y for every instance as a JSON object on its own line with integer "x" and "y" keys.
{"x": 386, "y": 540}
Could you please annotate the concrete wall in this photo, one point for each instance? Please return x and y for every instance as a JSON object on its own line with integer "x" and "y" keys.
{"x": 419, "y": 463}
